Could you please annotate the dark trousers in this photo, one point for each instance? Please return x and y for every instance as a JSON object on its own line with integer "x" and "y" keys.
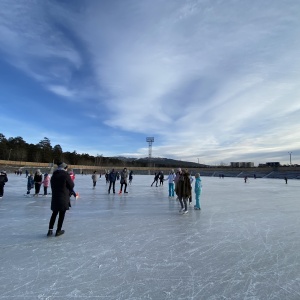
{"x": 94, "y": 183}
{"x": 1, "y": 190}
{"x": 61, "y": 218}
{"x": 125, "y": 184}
{"x": 45, "y": 190}
{"x": 112, "y": 183}
{"x": 37, "y": 187}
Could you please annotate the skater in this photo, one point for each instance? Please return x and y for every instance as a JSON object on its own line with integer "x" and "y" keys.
{"x": 286, "y": 180}
{"x": 46, "y": 183}
{"x": 112, "y": 180}
{"x": 198, "y": 189}
{"x": 156, "y": 177}
{"x": 38, "y": 178}
{"x": 3, "y": 180}
{"x": 130, "y": 177}
{"x": 245, "y": 179}
{"x": 171, "y": 178}
{"x": 183, "y": 190}
{"x": 94, "y": 178}
{"x": 161, "y": 178}
{"x": 107, "y": 177}
{"x": 73, "y": 193}
{"x": 178, "y": 173}
{"x": 30, "y": 183}
{"x": 62, "y": 185}
{"x": 123, "y": 181}
{"x": 191, "y": 198}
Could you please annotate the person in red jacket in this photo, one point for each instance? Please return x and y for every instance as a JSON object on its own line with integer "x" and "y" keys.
{"x": 73, "y": 193}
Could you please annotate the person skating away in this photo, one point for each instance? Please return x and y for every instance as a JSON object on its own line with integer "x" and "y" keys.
{"x": 46, "y": 183}
{"x": 3, "y": 180}
{"x": 161, "y": 178}
{"x": 183, "y": 190}
{"x": 30, "y": 183}
{"x": 123, "y": 181}
{"x": 286, "y": 180}
{"x": 73, "y": 193}
{"x": 171, "y": 178}
{"x": 94, "y": 178}
{"x": 130, "y": 177}
{"x": 156, "y": 177}
{"x": 38, "y": 178}
{"x": 62, "y": 185}
{"x": 198, "y": 190}
{"x": 112, "y": 180}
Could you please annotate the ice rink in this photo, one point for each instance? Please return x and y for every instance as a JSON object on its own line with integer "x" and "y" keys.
{"x": 243, "y": 244}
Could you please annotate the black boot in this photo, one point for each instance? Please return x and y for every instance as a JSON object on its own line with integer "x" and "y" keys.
{"x": 59, "y": 232}
{"x": 50, "y": 232}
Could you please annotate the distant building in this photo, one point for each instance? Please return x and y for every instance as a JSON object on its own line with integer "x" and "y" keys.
{"x": 273, "y": 164}
{"x": 242, "y": 164}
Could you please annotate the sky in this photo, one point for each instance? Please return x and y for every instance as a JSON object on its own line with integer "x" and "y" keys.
{"x": 213, "y": 82}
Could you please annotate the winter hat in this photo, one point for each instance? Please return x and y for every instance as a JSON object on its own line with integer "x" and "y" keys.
{"x": 197, "y": 175}
{"x": 62, "y": 165}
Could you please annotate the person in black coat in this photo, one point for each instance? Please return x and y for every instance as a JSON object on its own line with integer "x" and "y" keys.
{"x": 3, "y": 180}
{"x": 61, "y": 185}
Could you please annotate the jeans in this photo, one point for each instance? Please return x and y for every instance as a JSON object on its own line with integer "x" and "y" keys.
{"x": 171, "y": 189}
{"x": 45, "y": 190}
{"x": 183, "y": 202}
{"x": 112, "y": 183}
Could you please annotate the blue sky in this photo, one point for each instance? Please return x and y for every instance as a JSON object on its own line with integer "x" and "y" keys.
{"x": 217, "y": 81}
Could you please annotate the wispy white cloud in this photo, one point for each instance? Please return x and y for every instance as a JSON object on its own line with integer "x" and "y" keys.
{"x": 217, "y": 80}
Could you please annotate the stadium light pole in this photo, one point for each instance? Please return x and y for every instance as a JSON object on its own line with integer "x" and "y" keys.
{"x": 290, "y": 153}
{"x": 150, "y": 140}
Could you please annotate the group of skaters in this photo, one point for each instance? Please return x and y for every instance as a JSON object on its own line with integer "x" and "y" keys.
{"x": 180, "y": 183}
{"x": 62, "y": 188}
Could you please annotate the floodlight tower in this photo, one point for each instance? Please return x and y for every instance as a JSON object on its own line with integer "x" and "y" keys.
{"x": 290, "y": 153}
{"x": 150, "y": 140}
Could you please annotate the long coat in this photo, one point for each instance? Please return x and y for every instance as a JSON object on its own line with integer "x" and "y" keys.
{"x": 61, "y": 185}
{"x": 183, "y": 186}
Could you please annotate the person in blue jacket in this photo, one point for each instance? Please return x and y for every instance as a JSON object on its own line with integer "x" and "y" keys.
{"x": 112, "y": 176}
{"x": 198, "y": 189}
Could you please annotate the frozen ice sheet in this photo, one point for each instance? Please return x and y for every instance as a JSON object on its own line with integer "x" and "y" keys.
{"x": 243, "y": 244}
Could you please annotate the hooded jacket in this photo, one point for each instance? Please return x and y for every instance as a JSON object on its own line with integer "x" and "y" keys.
{"x": 198, "y": 185}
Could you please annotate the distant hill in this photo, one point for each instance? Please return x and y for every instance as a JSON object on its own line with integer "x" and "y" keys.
{"x": 162, "y": 162}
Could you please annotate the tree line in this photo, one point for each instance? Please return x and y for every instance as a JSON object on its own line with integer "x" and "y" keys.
{"x": 16, "y": 149}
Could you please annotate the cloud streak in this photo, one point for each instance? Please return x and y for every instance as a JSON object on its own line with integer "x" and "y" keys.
{"x": 212, "y": 80}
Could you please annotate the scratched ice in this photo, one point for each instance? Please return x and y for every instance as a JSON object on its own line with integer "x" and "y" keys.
{"x": 243, "y": 244}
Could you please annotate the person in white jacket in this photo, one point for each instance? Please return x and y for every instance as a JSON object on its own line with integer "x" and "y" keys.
{"x": 171, "y": 179}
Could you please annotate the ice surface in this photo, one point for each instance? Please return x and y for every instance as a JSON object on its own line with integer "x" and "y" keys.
{"x": 243, "y": 244}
